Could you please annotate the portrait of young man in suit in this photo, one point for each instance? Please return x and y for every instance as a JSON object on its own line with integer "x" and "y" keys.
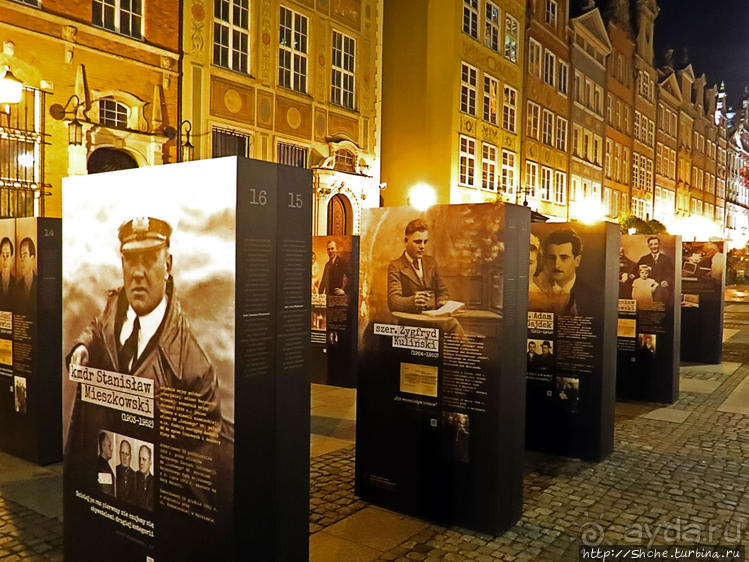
{"x": 414, "y": 282}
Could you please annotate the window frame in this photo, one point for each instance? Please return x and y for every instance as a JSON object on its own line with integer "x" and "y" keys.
{"x": 467, "y": 161}
{"x": 296, "y": 56}
{"x": 508, "y": 172}
{"x": 511, "y": 38}
{"x": 489, "y": 167}
{"x": 492, "y": 27}
{"x": 509, "y": 109}
{"x": 117, "y": 9}
{"x": 468, "y": 101}
{"x": 338, "y": 92}
{"x": 471, "y": 24}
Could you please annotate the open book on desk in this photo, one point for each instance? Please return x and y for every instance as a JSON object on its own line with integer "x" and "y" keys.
{"x": 446, "y": 309}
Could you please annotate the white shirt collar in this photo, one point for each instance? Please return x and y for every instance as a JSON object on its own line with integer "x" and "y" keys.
{"x": 567, "y": 287}
{"x": 149, "y": 323}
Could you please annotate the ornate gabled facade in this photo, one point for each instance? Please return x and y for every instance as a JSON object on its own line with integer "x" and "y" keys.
{"x": 546, "y": 127}
{"x": 590, "y": 50}
{"x": 101, "y": 85}
{"x": 293, "y": 83}
{"x": 619, "y": 110}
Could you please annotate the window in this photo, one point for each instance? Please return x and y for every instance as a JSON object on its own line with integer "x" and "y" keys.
{"x": 467, "y": 161}
{"x": 344, "y": 61}
{"x": 560, "y": 187}
{"x": 489, "y": 167}
{"x": 579, "y": 87}
{"x": 651, "y": 132}
{"x": 34, "y": 3}
{"x": 545, "y": 183}
{"x": 471, "y": 18}
{"x": 122, "y": 16}
{"x": 292, "y": 51}
{"x": 531, "y": 178}
{"x": 112, "y": 114}
{"x": 547, "y": 129}
{"x": 511, "y": 38}
{"x": 491, "y": 29}
{"x": 229, "y": 143}
{"x": 550, "y": 67}
{"x": 534, "y": 58}
{"x": 550, "y": 15}
{"x": 637, "y": 125}
{"x": 561, "y": 134}
{"x": 491, "y": 99}
{"x": 291, "y": 155}
{"x": 468, "y": 89}
{"x": 534, "y": 120}
{"x": 509, "y": 108}
{"x": 607, "y": 158}
{"x": 563, "y": 78}
{"x": 508, "y": 172}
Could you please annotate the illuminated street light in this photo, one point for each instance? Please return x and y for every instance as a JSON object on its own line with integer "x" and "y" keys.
{"x": 422, "y": 196}
{"x": 589, "y": 211}
{"x": 11, "y": 88}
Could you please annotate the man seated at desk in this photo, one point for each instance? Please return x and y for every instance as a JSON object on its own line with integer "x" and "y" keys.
{"x": 414, "y": 282}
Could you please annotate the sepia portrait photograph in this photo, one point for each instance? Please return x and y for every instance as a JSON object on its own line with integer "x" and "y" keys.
{"x": 646, "y": 270}
{"x": 441, "y": 268}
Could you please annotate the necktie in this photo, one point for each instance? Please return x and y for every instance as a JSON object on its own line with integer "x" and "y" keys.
{"x": 129, "y": 350}
{"x": 417, "y": 267}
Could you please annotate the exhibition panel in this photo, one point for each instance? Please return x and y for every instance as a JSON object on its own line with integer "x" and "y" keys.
{"x": 571, "y": 339}
{"x": 440, "y": 403}
{"x": 30, "y": 327}
{"x": 649, "y": 328}
{"x": 335, "y": 296}
{"x": 185, "y": 326}
{"x": 703, "y": 282}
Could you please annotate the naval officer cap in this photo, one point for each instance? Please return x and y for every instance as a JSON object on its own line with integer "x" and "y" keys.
{"x": 144, "y": 233}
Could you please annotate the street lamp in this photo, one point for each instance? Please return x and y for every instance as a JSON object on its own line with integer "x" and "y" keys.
{"x": 75, "y": 127}
{"x": 11, "y": 88}
{"x": 186, "y": 149}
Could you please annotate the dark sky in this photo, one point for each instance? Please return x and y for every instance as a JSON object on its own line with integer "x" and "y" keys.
{"x": 716, "y": 35}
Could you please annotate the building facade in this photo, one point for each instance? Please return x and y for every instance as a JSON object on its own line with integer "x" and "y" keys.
{"x": 293, "y": 82}
{"x": 546, "y": 128}
{"x": 452, "y": 101}
{"x": 101, "y": 83}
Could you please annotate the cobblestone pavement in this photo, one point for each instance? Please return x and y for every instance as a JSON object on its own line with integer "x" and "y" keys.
{"x": 666, "y": 482}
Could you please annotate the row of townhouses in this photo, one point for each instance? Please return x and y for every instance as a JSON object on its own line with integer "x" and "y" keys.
{"x": 558, "y": 104}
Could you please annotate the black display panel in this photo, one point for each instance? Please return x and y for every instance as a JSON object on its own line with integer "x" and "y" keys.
{"x": 186, "y": 321}
{"x": 703, "y": 282}
{"x": 335, "y": 296}
{"x": 30, "y": 328}
{"x": 649, "y": 325}
{"x": 570, "y": 351}
{"x": 441, "y": 337}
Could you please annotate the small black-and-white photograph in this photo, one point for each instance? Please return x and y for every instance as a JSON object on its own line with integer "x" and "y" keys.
{"x": 19, "y": 387}
{"x": 646, "y": 343}
{"x": 458, "y": 433}
{"x": 540, "y": 355}
{"x": 125, "y": 469}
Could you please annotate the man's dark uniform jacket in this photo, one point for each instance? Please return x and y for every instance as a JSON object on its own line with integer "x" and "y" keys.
{"x": 404, "y": 282}
{"x": 102, "y": 470}
{"x": 173, "y": 358}
{"x": 144, "y": 491}
{"x": 125, "y": 484}
{"x": 7, "y": 295}
{"x": 336, "y": 275}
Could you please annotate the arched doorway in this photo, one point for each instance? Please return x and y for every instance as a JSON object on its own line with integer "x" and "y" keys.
{"x": 340, "y": 216}
{"x": 110, "y": 159}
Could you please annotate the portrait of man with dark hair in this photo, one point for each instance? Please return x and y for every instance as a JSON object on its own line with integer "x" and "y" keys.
{"x": 337, "y": 275}
{"x": 6, "y": 275}
{"x": 562, "y": 255}
{"x": 24, "y": 286}
{"x": 414, "y": 282}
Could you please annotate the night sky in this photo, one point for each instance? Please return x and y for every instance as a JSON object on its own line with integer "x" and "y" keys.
{"x": 716, "y": 35}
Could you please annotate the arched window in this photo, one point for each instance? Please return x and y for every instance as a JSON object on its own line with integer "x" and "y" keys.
{"x": 112, "y": 113}
{"x": 345, "y": 160}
